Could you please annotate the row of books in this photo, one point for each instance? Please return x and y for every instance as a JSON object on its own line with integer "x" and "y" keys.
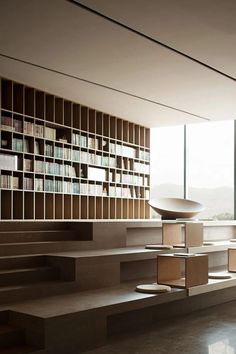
{"x": 47, "y": 185}
{"x": 11, "y": 182}
{"x": 96, "y": 159}
{"x": 58, "y": 152}
{"x": 93, "y": 189}
{"x": 61, "y": 186}
{"x": 79, "y": 140}
{"x": 81, "y": 156}
{"x": 54, "y": 168}
{"x": 141, "y": 167}
{"x": 20, "y": 145}
{"x": 122, "y": 150}
{"x": 128, "y": 192}
{"x": 144, "y": 155}
{"x": 120, "y": 192}
{"x": 84, "y": 141}
{"x": 13, "y": 125}
{"x": 39, "y": 130}
{"x": 69, "y": 187}
{"x": 130, "y": 179}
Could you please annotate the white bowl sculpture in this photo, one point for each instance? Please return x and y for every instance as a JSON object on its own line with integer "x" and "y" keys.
{"x": 173, "y": 208}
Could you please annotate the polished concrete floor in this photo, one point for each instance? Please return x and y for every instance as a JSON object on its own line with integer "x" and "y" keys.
{"x": 211, "y": 331}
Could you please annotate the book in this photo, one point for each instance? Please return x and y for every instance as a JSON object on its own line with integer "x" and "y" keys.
{"x": 8, "y": 162}
{"x": 28, "y": 165}
{"x": 36, "y": 148}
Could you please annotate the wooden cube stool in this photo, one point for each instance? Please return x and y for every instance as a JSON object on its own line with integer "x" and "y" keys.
{"x": 182, "y": 271}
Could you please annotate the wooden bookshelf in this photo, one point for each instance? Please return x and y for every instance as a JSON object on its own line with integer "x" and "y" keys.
{"x": 73, "y": 162}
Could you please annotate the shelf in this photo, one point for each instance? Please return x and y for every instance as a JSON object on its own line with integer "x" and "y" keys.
{"x": 213, "y": 285}
{"x": 218, "y": 246}
{"x": 41, "y": 130}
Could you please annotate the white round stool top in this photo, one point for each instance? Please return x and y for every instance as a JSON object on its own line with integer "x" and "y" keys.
{"x": 206, "y": 243}
{"x": 158, "y": 247}
{"x": 219, "y": 275}
{"x": 153, "y": 288}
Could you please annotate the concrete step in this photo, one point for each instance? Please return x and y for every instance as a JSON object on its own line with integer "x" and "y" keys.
{"x": 37, "y": 236}
{"x": 40, "y": 289}
{"x": 11, "y": 336}
{"x": 27, "y": 261}
{"x": 26, "y": 248}
{"x": 27, "y": 275}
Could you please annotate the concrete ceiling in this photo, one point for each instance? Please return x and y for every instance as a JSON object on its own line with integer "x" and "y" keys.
{"x": 62, "y": 48}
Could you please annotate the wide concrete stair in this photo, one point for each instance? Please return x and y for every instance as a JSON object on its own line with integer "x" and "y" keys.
{"x": 24, "y": 277}
{"x": 13, "y": 338}
{"x": 30, "y": 239}
{"x": 77, "y": 298}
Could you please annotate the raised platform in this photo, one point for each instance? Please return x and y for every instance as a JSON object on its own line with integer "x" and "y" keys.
{"x": 80, "y": 281}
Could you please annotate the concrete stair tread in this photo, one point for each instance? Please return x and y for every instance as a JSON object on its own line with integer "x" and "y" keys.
{"x": 123, "y": 254}
{"x": 33, "y": 285}
{"x": 35, "y": 231}
{"x": 18, "y": 349}
{"x": 19, "y": 256}
{"x": 113, "y": 299}
{"x": 36, "y": 242}
{"x": 24, "y": 270}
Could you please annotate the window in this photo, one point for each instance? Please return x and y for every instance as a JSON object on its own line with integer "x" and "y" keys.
{"x": 210, "y": 168}
{"x": 167, "y": 163}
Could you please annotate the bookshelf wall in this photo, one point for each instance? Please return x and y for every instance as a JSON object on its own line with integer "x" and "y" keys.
{"x": 62, "y": 160}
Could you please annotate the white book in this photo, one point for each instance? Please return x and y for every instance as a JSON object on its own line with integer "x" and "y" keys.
{"x": 8, "y": 162}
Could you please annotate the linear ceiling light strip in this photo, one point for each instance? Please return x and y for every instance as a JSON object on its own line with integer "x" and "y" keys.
{"x": 77, "y": 3}
{"x": 103, "y": 86}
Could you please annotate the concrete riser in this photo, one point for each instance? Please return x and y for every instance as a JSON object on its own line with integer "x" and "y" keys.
{"x": 22, "y": 262}
{"x": 28, "y": 276}
{"x": 37, "y": 236}
{"x": 39, "y": 248}
{"x": 32, "y": 291}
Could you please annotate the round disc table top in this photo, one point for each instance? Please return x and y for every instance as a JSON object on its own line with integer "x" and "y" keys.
{"x": 172, "y": 208}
